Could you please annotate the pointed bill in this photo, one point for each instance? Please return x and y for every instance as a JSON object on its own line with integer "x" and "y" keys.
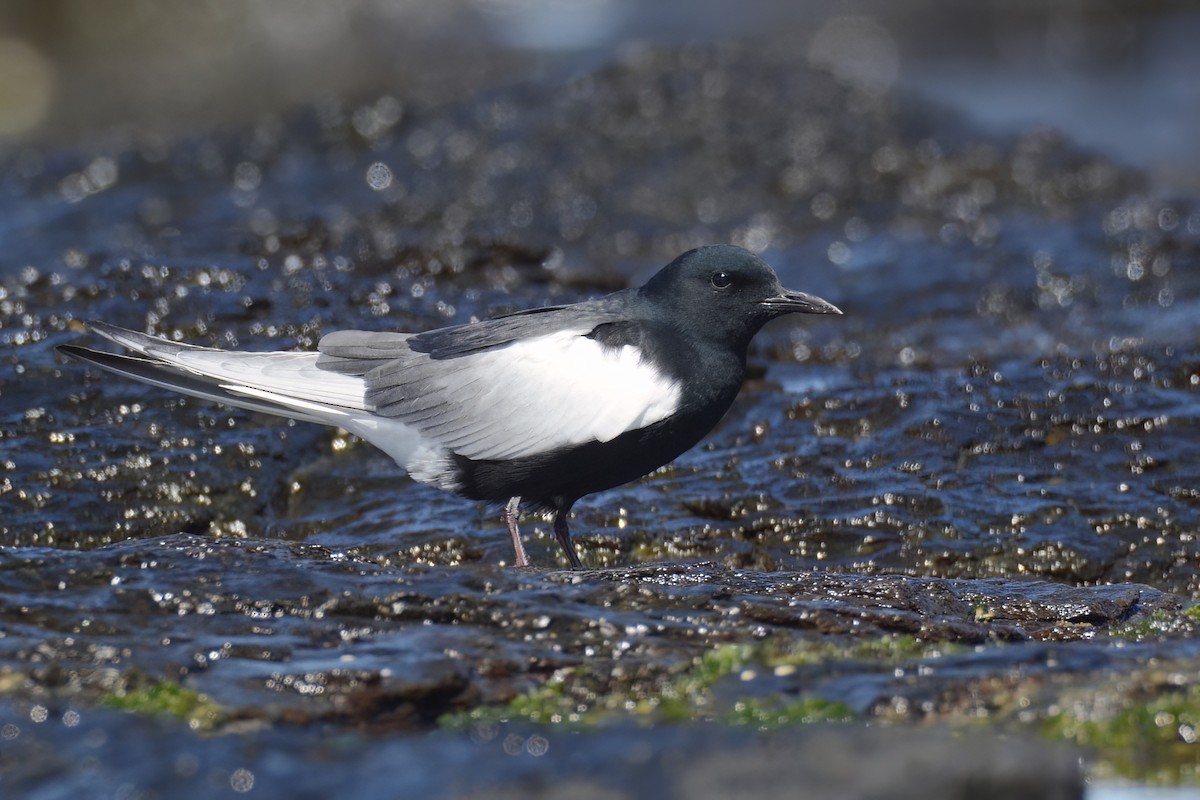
{"x": 800, "y": 303}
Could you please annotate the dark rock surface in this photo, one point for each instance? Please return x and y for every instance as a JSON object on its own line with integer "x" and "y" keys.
{"x": 971, "y": 498}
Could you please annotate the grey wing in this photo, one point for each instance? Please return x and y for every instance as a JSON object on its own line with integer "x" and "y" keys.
{"x": 503, "y": 395}
{"x": 153, "y": 372}
{"x": 287, "y": 383}
{"x": 461, "y": 340}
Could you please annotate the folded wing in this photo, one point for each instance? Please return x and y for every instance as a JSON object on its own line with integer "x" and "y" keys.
{"x": 525, "y": 397}
{"x": 495, "y": 391}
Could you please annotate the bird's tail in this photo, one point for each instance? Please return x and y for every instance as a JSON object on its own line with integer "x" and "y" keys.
{"x": 282, "y": 383}
{"x": 286, "y": 384}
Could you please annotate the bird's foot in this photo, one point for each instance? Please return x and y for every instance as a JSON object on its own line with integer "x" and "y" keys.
{"x": 563, "y": 534}
{"x": 510, "y": 519}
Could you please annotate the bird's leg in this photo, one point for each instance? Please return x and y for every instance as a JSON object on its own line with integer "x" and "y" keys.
{"x": 510, "y": 518}
{"x": 564, "y": 535}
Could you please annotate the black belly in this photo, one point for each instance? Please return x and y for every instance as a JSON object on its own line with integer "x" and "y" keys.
{"x": 559, "y": 478}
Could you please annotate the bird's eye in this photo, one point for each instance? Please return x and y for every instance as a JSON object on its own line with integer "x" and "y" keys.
{"x": 721, "y": 280}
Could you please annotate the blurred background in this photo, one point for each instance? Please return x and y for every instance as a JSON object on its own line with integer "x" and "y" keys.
{"x": 1116, "y": 76}
{"x": 1013, "y": 393}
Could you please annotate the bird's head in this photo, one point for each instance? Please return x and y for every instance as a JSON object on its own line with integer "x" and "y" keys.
{"x": 726, "y": 292}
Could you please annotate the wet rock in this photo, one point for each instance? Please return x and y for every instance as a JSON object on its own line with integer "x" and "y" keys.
{"x": 927, "y": 765}
{"x": 73, "y": 749}
{"x": 829, "y": 764}
{"x": 969, "y": 498}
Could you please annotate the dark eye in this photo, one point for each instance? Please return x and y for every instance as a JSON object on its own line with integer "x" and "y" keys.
{"x": 721, "y": 279}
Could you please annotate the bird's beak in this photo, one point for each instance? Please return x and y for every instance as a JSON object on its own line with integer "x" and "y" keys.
{"x": 800, "y": 303}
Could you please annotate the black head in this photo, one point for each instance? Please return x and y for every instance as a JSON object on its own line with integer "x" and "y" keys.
{"x": 726, "y": 293}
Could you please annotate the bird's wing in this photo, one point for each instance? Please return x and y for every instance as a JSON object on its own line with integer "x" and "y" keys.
{"x": 288, "y": 384}
{"x": 157, "y": 373}
{"x": 461, "y": 340}
{"x": 508, "y": 388}
{"x": 288, "y": 378}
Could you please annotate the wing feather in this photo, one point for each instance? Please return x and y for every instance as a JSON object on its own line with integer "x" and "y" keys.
{"x": 527, "y": 397}
{"x": 505, "y": 389}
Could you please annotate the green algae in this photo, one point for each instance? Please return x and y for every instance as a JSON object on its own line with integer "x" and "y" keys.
{"x": 168, "y": 699}
{"x": 1154, "y": 625}
{"x": 1155, "y": 741}
{"x": 576, "y": 696}
{"x": 768, "y": 714}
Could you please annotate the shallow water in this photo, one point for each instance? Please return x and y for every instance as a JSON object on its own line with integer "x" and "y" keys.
{"x": 973, "y": 496}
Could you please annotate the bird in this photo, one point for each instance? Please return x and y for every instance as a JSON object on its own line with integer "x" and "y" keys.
{"x": 541, "y": 406}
